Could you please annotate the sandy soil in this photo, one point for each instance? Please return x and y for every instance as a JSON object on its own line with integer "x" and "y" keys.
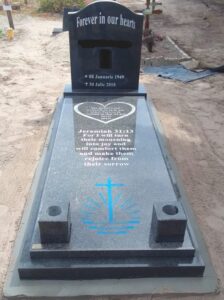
{"x": 33, "y": 70}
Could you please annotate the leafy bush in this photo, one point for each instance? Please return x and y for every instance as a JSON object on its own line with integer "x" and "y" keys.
{"x": 58, "y": 5}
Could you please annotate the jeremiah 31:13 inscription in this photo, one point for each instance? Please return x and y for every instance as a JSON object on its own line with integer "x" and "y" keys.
{"x": 101, "y": 140}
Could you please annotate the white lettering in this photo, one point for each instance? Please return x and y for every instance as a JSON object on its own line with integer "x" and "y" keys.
{"x": 127, "y": 22}
{"x": 86, "y": 21}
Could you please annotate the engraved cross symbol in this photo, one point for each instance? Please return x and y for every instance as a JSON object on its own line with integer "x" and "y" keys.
{"x": 109, "y": 185}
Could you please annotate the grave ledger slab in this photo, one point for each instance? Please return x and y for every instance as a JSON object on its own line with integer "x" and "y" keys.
{"x": 99, "y": 173}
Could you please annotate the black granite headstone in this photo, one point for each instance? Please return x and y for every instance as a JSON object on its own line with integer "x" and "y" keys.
{"x": 106, "y": 204}
{"x": 105, "y": 46}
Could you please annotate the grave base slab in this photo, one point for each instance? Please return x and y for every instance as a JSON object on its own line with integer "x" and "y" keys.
{"x": 15, "y": 287}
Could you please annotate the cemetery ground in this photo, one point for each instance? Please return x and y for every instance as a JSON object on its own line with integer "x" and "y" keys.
{"x": 33, "y": 70}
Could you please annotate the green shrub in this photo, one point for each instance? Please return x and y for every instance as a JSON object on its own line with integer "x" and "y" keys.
{"x": 58, "y": 5}
{"x": 1, "y": 33}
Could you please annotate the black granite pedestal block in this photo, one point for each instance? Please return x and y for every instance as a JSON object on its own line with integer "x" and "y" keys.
{"x": 55, "y": 224}
{"x": 169, "y": 222}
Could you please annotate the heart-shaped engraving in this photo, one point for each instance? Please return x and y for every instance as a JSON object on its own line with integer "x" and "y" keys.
{"x": 104, "y": 113}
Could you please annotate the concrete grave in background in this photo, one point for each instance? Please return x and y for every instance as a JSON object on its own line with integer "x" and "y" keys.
{"x": 106, "y": 204}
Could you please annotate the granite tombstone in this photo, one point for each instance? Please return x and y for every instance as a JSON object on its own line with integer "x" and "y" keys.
{"x": 105, "y": 46}
{"x": 107, "y": 204}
